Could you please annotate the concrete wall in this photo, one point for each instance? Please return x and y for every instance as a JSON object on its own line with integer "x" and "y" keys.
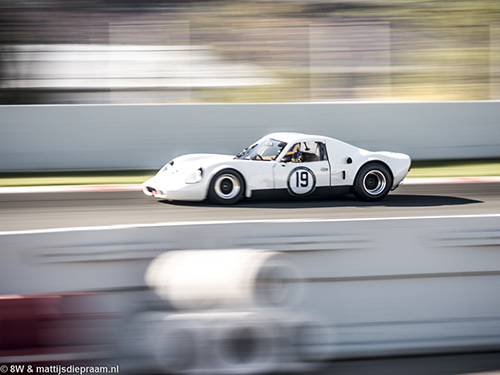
{"x": 387, "y": 286}
{"x": 40, "y": 138}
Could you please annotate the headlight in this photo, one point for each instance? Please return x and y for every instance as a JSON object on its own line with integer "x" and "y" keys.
{"x": 194, "y": 177}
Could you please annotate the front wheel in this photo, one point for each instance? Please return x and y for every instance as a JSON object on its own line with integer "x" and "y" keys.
{"x": 373, "y": 182}
{"x": 226, "y": 187}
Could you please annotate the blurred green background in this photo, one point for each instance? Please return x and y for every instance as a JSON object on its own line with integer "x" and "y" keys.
{"x": 154, "y": 51}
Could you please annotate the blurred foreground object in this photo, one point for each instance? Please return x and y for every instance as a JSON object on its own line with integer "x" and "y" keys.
{"x": 226, "y": 342}
{"x": 55, "y": 328}
{"x": 388, "y": 286}
{"x": 233, "y": 326}
{"x": 224, "y": 279}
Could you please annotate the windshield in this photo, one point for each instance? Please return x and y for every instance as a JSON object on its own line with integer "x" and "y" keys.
{"x": 267, "y": 149}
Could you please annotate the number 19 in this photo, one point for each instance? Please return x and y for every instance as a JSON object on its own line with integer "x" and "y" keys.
{"x": 302, "y": 179}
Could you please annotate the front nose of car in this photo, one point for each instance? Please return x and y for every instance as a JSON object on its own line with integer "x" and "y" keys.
{"x": 148, "y": 187}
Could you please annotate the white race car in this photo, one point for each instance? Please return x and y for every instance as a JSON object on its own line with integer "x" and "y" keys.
{"x": 281, "y": 165}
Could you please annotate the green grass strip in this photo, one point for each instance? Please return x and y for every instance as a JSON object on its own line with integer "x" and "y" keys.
{"x": 75, "y": 178}
{"x": 438, "y": 168}
{"x": 455, "y": 168}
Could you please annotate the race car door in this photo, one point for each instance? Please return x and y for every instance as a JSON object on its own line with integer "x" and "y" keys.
{"x": 303, "y": 169}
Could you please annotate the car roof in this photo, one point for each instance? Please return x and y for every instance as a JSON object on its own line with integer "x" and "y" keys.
{"x": 293, "y": 137}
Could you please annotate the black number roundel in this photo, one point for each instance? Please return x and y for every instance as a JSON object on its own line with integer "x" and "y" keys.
{"x": 301, "y": 181}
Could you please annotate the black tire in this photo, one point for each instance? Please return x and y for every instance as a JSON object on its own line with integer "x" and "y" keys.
{"x": 226, "y": 187}
{"x": 373, "y": 182}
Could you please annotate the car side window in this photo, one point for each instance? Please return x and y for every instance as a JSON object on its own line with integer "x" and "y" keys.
{"x": 305, "y": 152}
{"x": 321, "y": 151}
{"x": 291, "y": 154}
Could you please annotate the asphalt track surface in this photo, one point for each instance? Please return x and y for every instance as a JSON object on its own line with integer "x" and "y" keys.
{"x": 449, "y": 364}
{"x": 24, "y": 211}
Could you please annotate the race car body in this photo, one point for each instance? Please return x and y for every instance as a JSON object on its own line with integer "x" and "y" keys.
{"x": 281, "y": 165}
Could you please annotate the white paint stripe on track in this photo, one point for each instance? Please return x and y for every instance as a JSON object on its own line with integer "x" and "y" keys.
{"x": 137, "y": 187}
{"x": 225, "y": 222}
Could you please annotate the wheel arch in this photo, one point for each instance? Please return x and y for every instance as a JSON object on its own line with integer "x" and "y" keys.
{"x": 222, "y": 168}
{"x": 374, "y": 162}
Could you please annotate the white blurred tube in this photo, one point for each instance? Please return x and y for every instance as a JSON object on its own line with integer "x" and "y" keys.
{"x": 202, "y": 343}
{"x": 207, "y": 279}
{"x": 153, "y": 343}
{"x": 312, "y": 339}
{"x": 243, "y": 343}
{"x": 307, "y": 341}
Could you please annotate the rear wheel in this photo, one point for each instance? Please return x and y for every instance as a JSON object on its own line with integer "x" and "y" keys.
{"x": 226, "y": 187}
{"x": 373, "y": 182}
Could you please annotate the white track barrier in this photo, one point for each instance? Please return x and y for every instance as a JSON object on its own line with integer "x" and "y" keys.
{"x": 104, "y": 137}
{"x": 225, "y": 279}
